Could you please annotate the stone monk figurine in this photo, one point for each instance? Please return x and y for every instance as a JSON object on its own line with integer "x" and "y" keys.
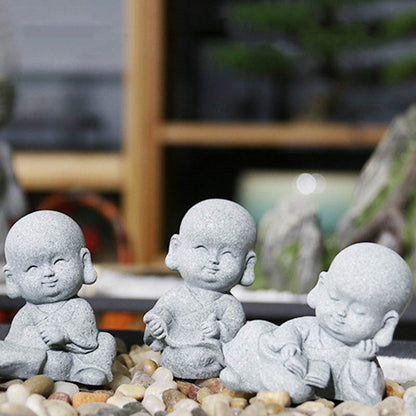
{"x": 55, "y": 332}
{"x": 332, "y": 354}
{"x": 213, "y": 252}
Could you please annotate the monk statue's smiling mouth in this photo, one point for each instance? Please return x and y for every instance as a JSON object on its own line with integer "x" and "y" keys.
{"x": 50, "y": 284}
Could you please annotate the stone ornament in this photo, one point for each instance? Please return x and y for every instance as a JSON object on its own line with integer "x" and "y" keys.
{"x": 55, "y": 332}
{"x": 213, "y": 252}
{"x": 332, "y": 354}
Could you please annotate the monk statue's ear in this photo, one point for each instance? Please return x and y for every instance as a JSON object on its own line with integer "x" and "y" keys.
{"x": 316, "y": 292}
{"x": 90, "y": 275}
{"x": 248, "y": 274}
{"x": 384, "y": 336}
{"x": 172, "y": 256}
{"x": 12, "y": 288}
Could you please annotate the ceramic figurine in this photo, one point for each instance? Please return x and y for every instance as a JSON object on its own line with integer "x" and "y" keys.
{"x": 332, "y": 354}
{"x": 55, "y": 332}
{"x": 213, "y": 252}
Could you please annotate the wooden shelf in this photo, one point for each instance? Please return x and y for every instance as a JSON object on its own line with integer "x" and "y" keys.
{"x": 59, "y": 171}
{"x": 296, "y": 134}
{"x": 137, "y": 171}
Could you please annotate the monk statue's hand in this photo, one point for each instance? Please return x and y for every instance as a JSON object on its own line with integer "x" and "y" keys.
{"x": 294, "y": 360}
{"x": 211, "y": 327}
{"x": 365, "y": 350}
{"x": 156, "y": 326}
{"x": 52, "y": 335}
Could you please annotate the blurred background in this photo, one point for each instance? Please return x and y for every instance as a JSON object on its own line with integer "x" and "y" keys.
{"x": 123, "y": 114}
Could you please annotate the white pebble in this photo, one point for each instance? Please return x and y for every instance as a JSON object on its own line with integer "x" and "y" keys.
{"x": 59, "y": 408}
{"x": 162, "y": 374}
{"x": 180, "y": 413}
{"x": 17, "y": 393}
{"x": 119, "y": 400}
{"x": 185, "y": 405}
{"x": 153, "y": 404}
{"x": 209, "y": 403}
{"x": 35, "y": 404}
{"x": 158, "y": 387}
{"x": 65, "y": 387}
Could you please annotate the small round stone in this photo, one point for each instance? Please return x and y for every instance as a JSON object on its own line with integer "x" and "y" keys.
{"x": 256, "y": 408}
{"x": 310, "y": 407}
{"x": 140, "y": 378}
{"x": 354, "y": 408}
{"x": 119, "y": 400}
{"x": 209, "y": 402}
{"x": 131, "y": 390}
{"x": 157, "y": 388}
{"x": 118, "y": 380}
{"x": 149, "y": 366}
{"x": 6, "y": 384}
{"x": 281, "y": 397}
{"x": 92, "y": 408}
{"x": 391, "y": 406}
{"x": 394, "y": 389}
{"x": 214, "y": 384}
{"x": 162, "y": 374}
{"x": 202, "y": 393}
{"x": 15, "y": 409}
{"x": 328, "y": 403}
{"x": 65, "y": 387}
{"x": 135, "y": 407}
{"x": 326, "y": 411}
{"x": 238, "y": 403}
{"x": 111, "y": 411}
{"x": 185, "y": 405}
{"x": 126, "y": 360}
{"x": 153, "y": 403}
{"x": 39, "y": 384}
{"x": 172, "y": 396}
{"x": 59, "y": 408}
{"x": 60, "y": 396}
{"x": 35, "y": 403}
{"x": 87, "y": 397}
{"x": 198, "y": 411}
{"x": 120, "y": 368}
{"x": 17, "y": 393}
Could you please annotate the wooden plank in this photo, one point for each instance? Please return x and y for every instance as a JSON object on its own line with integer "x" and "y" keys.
{"x": 58, "y": 171}
{"x": 143, "y": 101}
{"x": 296, "y": 134}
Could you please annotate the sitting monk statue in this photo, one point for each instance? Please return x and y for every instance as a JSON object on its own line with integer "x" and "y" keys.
{"x": 213, "y": 252}
{"x": 55, "y": 332}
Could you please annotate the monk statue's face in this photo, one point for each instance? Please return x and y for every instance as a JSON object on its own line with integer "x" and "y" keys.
{"x": 210, "y": 259}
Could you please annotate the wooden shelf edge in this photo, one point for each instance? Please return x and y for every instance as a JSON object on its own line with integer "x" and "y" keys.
{"x": 296, "y": 134}
{"x": 59, "y": 171}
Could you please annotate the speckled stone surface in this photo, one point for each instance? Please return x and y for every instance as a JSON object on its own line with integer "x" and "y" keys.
{"x": 333, "y": 354}
{"x": 55, "y": 332}
{"x": 213, "y": 252}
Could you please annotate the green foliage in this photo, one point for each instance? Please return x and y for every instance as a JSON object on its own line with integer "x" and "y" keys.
{"x": 400, "y": 70}
{"x": 286, "y": 17}
{"x": 315, "y": 28}
{"x": 400, "y": 25}
{"x": 286, "y": 263}
{"x": 262, "y": 59}
{"x": 330, "y": 249}
{"x": 398, "y": 171}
